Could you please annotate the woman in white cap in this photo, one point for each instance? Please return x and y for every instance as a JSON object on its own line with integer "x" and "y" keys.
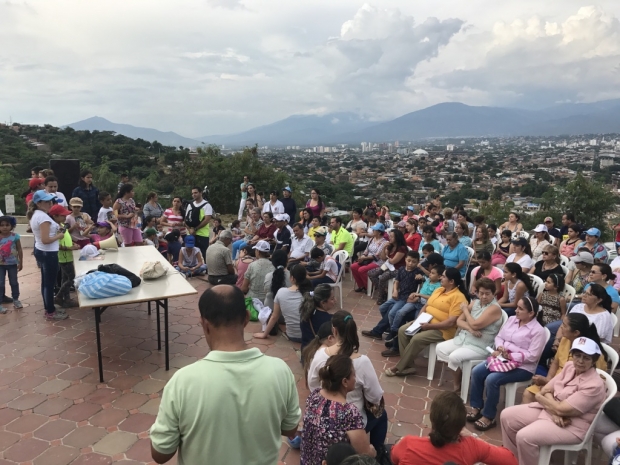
{"x": 564, "y": 408}
{"x": 540, "y": 240}
{"x": 47, "y": 234}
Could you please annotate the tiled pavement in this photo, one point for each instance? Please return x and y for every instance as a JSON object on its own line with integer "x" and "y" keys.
{"x": 54, "y": 411}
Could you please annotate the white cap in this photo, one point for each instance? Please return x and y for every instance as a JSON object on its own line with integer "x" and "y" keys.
{"x": 541, "y": 228}
{"x": 279, "y": 217}
{"x": 585, "y": 345}
{"x": 262, "y": 246}
{"x": 286, "y": 217}
{"x": 89, "y": 251}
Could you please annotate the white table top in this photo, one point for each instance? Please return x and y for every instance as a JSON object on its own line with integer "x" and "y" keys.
{"x": 132, "y": 258}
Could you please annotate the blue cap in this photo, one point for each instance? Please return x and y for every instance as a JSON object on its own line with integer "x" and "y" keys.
{"x": 593, "y": 232}
{"x": 190, "y": 241}
{"x": 378, "y": 227}
{"x": 410, "y": 207}
{"x": 42, "y": 196}
{"x": 287, "y": 189}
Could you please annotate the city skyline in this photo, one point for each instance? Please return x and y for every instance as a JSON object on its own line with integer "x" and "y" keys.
{"x": 222, "y": 66}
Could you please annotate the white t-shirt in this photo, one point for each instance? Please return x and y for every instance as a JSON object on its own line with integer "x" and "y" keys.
{"x": 300, "y": 247}
{"x": 275, "y": 209}
{"x": 525, "y": 261}
{"x": 331, "y": 267}
{"x": 60, "y": 199}
{"x": 602, "y": 321}
{"x": 37, "y": 219}
{"x": 102, "y": 216}
{"x": 207, "y": 208}
{"x": 366, "y": 381}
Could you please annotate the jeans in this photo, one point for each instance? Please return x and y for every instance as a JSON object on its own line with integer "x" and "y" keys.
{"x": 401, "y": 310}
{"x": 377, "y": 427}
{"x": 324, "y": 280}
{"x": 11, "y": 270}
{"x": 236, "y": 246}
{"x": 553, "y": 328}
{"x": 480, "y": 376}
{"x": 189, "y": 274}
{"x": 202, "y": 242}
{"x": 68, "y": 275}
{"x": 49, "y": 269}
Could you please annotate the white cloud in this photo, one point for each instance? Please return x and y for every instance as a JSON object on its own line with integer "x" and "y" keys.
{"x": 202, "y": 67}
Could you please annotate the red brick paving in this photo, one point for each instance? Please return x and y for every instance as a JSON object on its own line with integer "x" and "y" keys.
{"x": 54, "y": 411}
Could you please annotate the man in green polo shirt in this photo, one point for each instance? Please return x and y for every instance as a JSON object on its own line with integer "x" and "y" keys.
{"x": 232, "y": 406}
{"x": 341, "y": 238}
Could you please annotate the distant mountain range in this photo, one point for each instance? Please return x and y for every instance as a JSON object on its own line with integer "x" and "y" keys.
{"x": 442, "y": 120}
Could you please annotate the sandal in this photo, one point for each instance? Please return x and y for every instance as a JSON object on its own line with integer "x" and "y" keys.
{"x": 474, "y": 415}
{"x": 482, "y": 426}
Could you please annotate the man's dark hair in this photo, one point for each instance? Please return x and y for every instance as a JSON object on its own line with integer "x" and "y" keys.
{"x": 298, "y": 225}
{"x": 223, "y": 305}
{"x": 124, "y": 175}
{"x": 569, "y": 216}
{"x": 36, "y": 169}
{"x": 197, "y": 188}
{"x": 339, "y": 451}
{"x": 49, "y": 179}
{"x": 479, "y": 219}
{"x": 338, "y": 219}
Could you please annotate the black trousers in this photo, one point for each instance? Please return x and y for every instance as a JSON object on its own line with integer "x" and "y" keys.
{"x": 202, "y": 243}
{"x": 226, "y": 279}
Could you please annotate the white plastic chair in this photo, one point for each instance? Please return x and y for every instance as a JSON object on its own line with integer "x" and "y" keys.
{"x": 564, "y": 269}
{"x": 613, "y": 357}
{"x": 511, "y": 388}
{"x": 341, "y": 257}
{"x": 538, "y": 284}
{"x": 350, "y": 259}
{"x": 614, "y": 319}
{"x": 470, "y": 252}
{"x": 469, "y": 365}
{"x": 568, "y": 293}
{"x": 546, "y": 451}
{"x": 564, "y": 260}
{"x": 523, "y": 234}
{"x": 390, "y": 288}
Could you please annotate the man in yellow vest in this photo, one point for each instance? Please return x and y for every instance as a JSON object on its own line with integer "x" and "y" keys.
{"x": 203, "y": 230}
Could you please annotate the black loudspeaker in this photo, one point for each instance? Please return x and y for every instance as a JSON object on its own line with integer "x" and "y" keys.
{"x": 68, "y": 174}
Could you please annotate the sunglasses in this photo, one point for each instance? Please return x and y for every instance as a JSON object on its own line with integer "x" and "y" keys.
{"x": 546, "y": 253}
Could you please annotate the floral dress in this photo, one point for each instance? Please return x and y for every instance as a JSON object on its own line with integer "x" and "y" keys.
{"x": 550, "y": 307}
{"x": 127, "y": 207}
{"x": 326, "y": 422}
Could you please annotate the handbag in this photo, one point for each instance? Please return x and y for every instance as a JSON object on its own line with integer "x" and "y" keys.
{"x": 376, "y": 410}
{"x": 499, "y": 366}
{"x": 152, "y": 270}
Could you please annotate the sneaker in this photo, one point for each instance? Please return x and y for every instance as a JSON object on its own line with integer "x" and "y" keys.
{"x": 295, "y": 443}
{"x": 371, "y": 334}
{"x": 70, "y": 303}
{"x": 391, "y": 336}
{"x": 3, "y": 310}
{"x": 56, "y": 316}
{"x": 6, "y": 299}
{"x": 17, "y": 304}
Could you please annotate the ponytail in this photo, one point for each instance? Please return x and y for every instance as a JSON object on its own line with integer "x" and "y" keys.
{"x": 346, "y": 327}
{"x": 320, "y": 338}
{"x": 279, "y": 260}
{"x": 521, "y": 276}
{"x": 303, "y": 284}
{"x": 455, "y": 275}
{"x": 592, "y": 333}
{"x": 313, "y": 299}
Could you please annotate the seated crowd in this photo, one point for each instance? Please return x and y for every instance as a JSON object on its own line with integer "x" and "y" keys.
{"x": 490, "y": 302}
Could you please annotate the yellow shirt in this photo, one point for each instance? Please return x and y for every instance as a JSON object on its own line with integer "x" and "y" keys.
{"x": 443, "y": 305}
{"x": 343, "y": 236}
{"x": 311, "y": 232}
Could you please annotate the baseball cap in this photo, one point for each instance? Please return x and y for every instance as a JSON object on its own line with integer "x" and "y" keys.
{"x": 89, "y": 251}
{"x": 378, "y": 227}
{"x": 76, "y": 202}
{"x": 583, "y": 257}
{"x": 320, "y": 231}
{"x": 262, "y": 246}
{"x": 410, "y": 207}
{"x": 279, "y": 217}
{"x": 103, "y": 224}
{"x": 586, "y": 345}
{"x": 593, "y": 232}
{"x": 190, "y": 241}
{"x": 540, "y": 228}
{"x": 287, "y": 188}
{"x": 35, "y": 182}
{"x": 548, "y": 218}
{"x": 58, "y": 209}
{"x": 150, "y": 232}
{"x": 42, "y": 196}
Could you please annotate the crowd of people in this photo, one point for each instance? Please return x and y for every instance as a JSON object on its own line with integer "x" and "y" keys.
{"x": 538, "y": 306}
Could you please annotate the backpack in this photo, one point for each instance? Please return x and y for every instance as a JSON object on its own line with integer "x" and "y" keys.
{"x": 192, "y": 214}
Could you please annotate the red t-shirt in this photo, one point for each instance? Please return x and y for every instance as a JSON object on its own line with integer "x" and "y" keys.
{"x": 618, "y": 235}
{"x": 412, "y": 450}
{"x": 402, "y": 250}
{"x": 413, "y": 240}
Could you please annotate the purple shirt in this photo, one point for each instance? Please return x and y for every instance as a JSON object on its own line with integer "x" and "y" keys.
{"x": 525, "y": 343}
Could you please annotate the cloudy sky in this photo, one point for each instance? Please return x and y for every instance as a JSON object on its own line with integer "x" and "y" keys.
{"x": 202, "y": 67}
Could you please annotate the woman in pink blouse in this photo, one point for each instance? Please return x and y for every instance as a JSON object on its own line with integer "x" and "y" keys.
{"x": 522, "y": 340}
{"x": 564, "y": 408}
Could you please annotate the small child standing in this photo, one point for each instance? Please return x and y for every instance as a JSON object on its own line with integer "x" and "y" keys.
{"x": 106, "y": 213}
{"x": 65, "y": 260}
{"x": 552, "y": 304}
{"x": 11, "y": 259}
